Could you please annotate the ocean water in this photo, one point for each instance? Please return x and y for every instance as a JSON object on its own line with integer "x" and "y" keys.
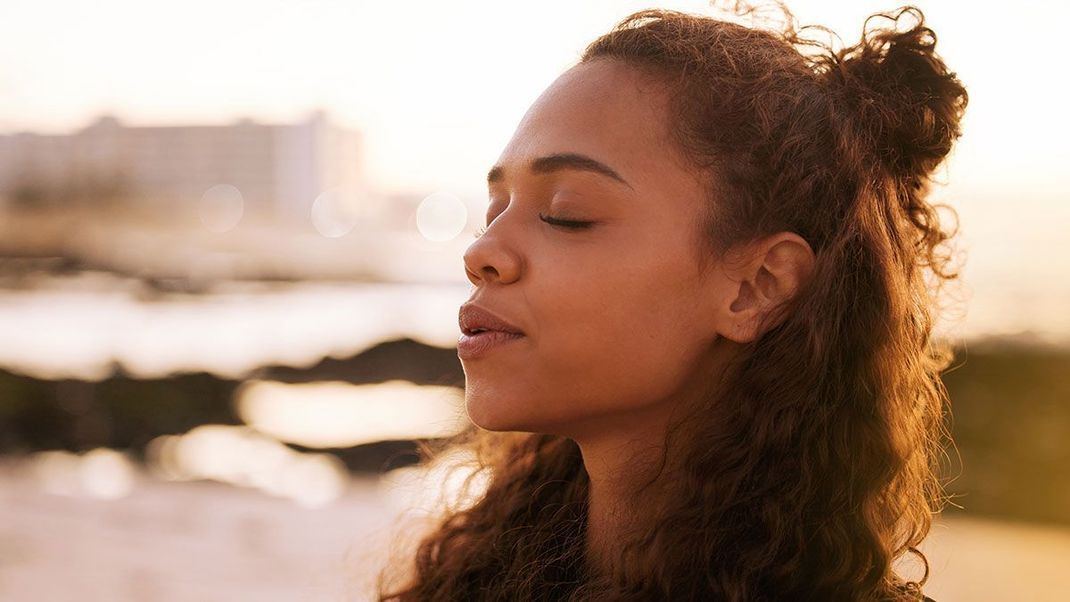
{"x": 78, "y": 327}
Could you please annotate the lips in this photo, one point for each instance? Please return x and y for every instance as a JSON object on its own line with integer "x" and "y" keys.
{"x": 474, "y": 319}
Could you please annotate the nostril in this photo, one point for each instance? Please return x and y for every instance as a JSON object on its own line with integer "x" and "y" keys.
{"x": 473, "y": 275}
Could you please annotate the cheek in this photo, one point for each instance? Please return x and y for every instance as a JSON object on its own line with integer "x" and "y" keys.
{"x": 618, "y": 343}
{"x": 627, "y": 349}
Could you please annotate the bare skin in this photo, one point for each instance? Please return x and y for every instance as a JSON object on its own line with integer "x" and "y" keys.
{"x": 623, "y": 327}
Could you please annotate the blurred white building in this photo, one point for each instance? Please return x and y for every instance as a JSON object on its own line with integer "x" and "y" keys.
{"x": 280, "y": 169}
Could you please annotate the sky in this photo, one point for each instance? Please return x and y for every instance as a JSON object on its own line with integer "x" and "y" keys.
{"x": 439, "y": 87}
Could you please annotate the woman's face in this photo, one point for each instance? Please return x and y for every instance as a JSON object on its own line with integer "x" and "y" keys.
{"x": 617, "y": 316}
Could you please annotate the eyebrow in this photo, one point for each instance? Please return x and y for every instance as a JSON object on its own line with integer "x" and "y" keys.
{"x": 561, "y": 161}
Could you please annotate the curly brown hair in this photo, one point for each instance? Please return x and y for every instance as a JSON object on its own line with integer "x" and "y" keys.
{"x": 817, "y": 466}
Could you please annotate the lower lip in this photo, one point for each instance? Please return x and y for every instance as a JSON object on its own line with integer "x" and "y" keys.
{"x": 476, "y": 345}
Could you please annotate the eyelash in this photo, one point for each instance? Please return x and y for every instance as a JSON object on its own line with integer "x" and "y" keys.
{"x": 566, "y": 223}
{"x": 553, "y": 221}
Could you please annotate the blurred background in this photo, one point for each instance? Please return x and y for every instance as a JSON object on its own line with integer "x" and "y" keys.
{"x": 230, "y": 266}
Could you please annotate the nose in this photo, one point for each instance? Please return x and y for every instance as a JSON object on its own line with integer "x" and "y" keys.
{"x": 490, "y": 259}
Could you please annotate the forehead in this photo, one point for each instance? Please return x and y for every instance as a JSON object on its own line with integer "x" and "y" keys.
{"x": 604, "y": 109}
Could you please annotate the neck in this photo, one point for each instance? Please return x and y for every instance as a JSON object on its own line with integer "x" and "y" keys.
{"x": 609, "y": 517}
{"x": 623, "y": 457}
{"x": 619, "y": 464}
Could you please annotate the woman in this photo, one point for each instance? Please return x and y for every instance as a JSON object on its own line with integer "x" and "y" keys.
{"x": 697, "y": 352}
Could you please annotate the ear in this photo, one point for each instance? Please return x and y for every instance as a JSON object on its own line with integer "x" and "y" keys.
{"x": 768, "y": 273}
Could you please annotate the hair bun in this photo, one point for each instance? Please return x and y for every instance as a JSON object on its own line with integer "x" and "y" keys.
{"x": 900, "y": 92}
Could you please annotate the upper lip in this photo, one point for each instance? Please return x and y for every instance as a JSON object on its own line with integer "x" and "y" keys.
{"x": 473, "y": 317}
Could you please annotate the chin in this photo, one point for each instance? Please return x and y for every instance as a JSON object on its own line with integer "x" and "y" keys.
{"x": 501, "y": 413}
{"x": 488, "y": 415}
{"x": 496, "y": 413}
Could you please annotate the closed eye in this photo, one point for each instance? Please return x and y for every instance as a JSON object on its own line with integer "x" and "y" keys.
{"x": 553, "y": 221}
{"x": 565, "y": 223}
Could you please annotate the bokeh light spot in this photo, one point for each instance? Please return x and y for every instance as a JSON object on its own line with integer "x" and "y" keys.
{"x": 441, "y": 216}
{"x": 221, "y": 208}
{"x": 332, "y": 216}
